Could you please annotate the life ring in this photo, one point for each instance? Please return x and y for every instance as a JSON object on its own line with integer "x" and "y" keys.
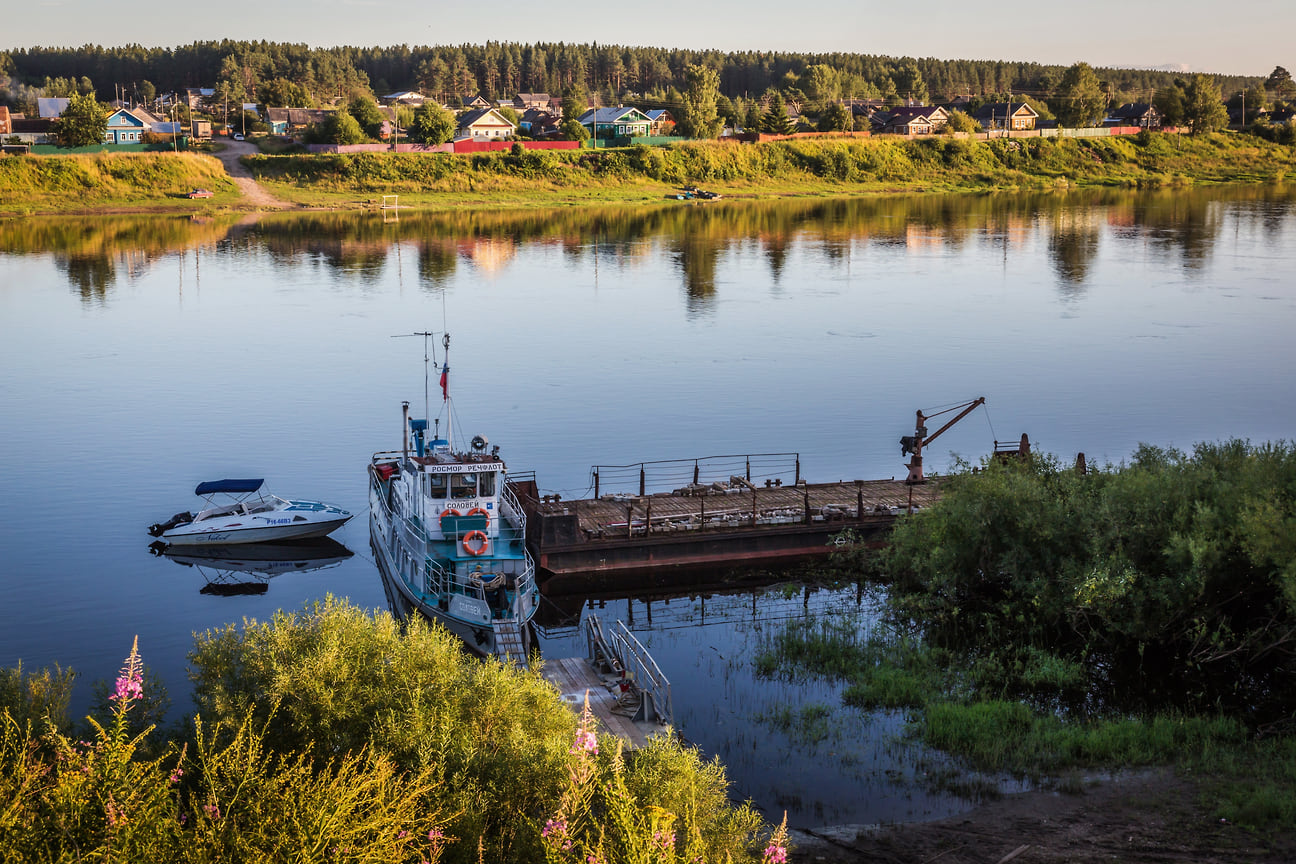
{"x": 449, "y": 512}
{"x": 480, "y": 511}
{"x": 476, "y": 537}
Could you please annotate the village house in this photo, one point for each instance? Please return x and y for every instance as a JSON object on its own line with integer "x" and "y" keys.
{"x": 1135, "y": 114}
{"x": 912, "y": 120}
{"x": 619, "y": 122}
{"x": 484, "y": 124}
{"x": 289, "y": 121}
{"x": 1006, "y": 115}
{"x": 474, "y": 102}
{"x": 533, "y": 101}
{"x": 539, "y": 123}
{"x": 404, "y": 97}
{"x": 661, "y": 122}
{"x": 124, "y": 127}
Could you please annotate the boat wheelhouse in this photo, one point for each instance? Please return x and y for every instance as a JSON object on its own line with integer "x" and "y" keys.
{"x": 450, "y": 536}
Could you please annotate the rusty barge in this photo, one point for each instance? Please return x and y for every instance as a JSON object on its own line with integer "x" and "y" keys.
{"x": 717, "y": 513}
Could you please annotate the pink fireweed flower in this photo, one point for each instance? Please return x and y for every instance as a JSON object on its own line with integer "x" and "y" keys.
{"x": 212, "y": 811}
{"x": 775, "y": 854}
{"x": 554, "y": 827}
{"x": 664, "y": 839}
{"x": 585, "y": 742}
{"x": 128, "y": 687}
{"x": 176, "y": 775}
{"x": 435, "y": 834}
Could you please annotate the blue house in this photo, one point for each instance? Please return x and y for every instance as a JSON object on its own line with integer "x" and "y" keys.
{"x": 124, "y": 128}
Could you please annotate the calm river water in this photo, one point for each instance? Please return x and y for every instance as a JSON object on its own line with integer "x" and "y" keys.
{"x": 141, "y": 356}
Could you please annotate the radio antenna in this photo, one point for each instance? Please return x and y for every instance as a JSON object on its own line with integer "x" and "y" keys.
{"x": 425, "y": 334}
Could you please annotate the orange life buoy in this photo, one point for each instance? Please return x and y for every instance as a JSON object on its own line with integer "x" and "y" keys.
{"x": 449, "y": 512}
{"x": 478, "y": 537}
{"x": 480, "y": 511}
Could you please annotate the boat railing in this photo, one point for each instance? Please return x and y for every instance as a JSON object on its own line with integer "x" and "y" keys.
{"x": 620, "y": 652}
{"x": 513, "y": 510}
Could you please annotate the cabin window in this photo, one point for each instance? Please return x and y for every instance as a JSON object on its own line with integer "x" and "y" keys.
{"x": 434, "y": 485}
{"x": 463, "y": 486}
{"x": 486, "y": 484}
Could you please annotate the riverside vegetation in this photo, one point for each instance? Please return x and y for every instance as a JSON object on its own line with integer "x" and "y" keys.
{"x": 646, "y": 174}
{"x": 330, "y": 735}
{"x": 1046, "y": 623}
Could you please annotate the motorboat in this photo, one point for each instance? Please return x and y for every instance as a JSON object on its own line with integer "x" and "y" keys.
{"x": 450, "y": 535}
{"x": 245, "y": 514}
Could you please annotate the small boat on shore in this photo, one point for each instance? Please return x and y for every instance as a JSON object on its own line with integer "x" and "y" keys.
{"x": 242, "y": 518}
{"x": 450, "y": 536}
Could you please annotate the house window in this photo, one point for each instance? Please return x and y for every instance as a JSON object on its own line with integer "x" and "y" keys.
{"x": 620, "y": 130}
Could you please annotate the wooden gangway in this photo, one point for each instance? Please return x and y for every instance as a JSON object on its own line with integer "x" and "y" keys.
{"x": 627, "y": 692}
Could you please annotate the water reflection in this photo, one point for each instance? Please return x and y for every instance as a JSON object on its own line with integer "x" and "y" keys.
{"x": 1181, "y": 227}
{"x": 851, "y": 767}
{"x": 247, "y": 569}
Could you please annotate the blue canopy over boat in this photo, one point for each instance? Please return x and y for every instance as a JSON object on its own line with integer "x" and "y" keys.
{"x": 232, "y": 487}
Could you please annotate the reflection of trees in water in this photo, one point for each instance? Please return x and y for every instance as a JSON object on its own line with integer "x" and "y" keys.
{"x": 697, "y": 258}
{"x": 1072, "y": 246}
{"x": 1181, "y": 227}
{"x": 89, "y": 276}
{"x": 437, "y": 263}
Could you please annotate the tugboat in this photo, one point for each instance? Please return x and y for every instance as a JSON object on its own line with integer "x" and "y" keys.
{"x": 450, "y": 536}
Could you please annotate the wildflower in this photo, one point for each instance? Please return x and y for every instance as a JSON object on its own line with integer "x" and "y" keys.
{"x": 664, "y": 839}
{"x": 176, "y": 775}
{"x": 585, "y": 741}
{"x": 434, "y": 835}
{"x": 775, "y": 854}
{"x": 776, "y": 851}
{"x": 130, "y": 683}
{"x": 212, "y": 811}
{"x": 184, "y": 817}
{"x": 554, "y": 827}
{"x": 401, "y": 835}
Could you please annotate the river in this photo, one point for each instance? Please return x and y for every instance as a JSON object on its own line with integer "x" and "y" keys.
{"x": 141, "y": 355}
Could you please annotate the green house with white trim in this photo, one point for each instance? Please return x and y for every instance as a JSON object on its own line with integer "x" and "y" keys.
{"x": 619, "y": 122}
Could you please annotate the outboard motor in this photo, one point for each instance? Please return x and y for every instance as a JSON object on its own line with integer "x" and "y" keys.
{"x": 157, "y": 529}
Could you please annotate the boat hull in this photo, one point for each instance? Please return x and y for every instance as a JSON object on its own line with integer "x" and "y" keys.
{"x": 478, "y": 637}
{"x": 222, "y": 535}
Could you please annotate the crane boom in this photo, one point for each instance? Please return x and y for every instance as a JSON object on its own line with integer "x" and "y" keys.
{"x": 914, "y": 443}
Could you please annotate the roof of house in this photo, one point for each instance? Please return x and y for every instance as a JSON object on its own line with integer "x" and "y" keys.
{"x": 611, "y": 115}
{"x": 472, "y": 118}
{"x": 539, "y": 115}
{"x": 655, "y": 114}
{"x": 1133, "y": 110}
{"x": 527, "y": 98}
{"x": 50, "y": 107}
{"x": 122, "y": 117}
{"x": 1002, "y": 109}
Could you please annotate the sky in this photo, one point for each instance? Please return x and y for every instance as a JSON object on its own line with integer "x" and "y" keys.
{"x": 1244, "y": 37}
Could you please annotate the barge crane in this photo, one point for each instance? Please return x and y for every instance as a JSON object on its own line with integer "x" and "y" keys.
{"x": 913, "y": 444}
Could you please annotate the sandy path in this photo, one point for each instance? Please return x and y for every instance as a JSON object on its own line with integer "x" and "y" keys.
{"x": 253, "y": 191}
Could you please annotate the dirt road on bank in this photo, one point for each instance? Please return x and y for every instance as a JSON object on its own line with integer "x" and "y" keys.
{"x": 252, "y": 191}
{"x": 1152, "y": 817}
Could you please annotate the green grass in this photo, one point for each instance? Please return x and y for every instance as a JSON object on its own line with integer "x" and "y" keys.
{"x": 641, "y": 175}
{"x": 112, "y": 182}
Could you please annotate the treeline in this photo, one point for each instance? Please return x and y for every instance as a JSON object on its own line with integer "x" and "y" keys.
{"x": 296, "y": 74}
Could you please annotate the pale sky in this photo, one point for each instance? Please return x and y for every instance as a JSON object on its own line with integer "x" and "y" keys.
{"x": 1244, "y": 37}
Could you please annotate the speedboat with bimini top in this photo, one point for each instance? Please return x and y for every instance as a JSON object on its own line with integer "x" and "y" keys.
{"x": 450, "y": 535}
{"x": 243, "y": 516}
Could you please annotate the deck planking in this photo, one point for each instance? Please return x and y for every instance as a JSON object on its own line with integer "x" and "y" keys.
{"x": 614, "y": 516}
{"x": 575, "y": 677}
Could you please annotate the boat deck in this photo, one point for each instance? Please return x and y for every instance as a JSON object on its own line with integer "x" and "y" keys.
{"x": 575, "y": 677}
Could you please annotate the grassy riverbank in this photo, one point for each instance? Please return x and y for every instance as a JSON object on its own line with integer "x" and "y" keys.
{"x": 1047, "y": 623}
{"x": 643, "y": 175}
{"x": 112, "y": 182}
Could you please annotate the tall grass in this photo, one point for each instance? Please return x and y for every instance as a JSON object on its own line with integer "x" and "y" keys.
{"x": 333, "y": 736}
